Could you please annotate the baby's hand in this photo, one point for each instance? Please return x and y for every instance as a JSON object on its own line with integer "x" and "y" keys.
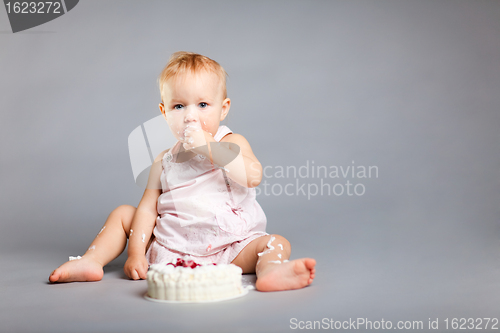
{"x": 136, "y": 267}
{"x": 195, "y": 137}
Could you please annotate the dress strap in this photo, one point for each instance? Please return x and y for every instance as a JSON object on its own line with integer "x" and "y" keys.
{"x": 222, "y": 132}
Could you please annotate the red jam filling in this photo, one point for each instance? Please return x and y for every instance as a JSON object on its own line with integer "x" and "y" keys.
{"x": 184, "y": 263}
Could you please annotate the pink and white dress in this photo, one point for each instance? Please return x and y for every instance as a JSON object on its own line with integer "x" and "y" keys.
{"x": 202, "y": 212}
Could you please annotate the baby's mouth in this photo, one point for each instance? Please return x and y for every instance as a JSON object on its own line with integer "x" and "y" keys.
{"x": 194, "y": 127}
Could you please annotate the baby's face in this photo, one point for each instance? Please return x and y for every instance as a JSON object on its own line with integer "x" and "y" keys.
{"x": 194, "y": 100}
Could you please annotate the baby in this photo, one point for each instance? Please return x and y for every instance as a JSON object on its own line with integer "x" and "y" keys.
{"x": 200, "y": 197}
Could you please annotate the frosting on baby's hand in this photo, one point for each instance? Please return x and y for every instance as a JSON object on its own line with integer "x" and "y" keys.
{"x": 194, "y": 136}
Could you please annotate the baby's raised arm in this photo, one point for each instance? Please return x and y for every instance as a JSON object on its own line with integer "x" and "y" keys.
{"x": 143, "y": 224}
{"x": 245, "y": 168}
{"x": 233, "y": 153}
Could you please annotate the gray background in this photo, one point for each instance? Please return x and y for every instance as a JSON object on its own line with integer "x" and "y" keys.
{"x": 409, "y": 86}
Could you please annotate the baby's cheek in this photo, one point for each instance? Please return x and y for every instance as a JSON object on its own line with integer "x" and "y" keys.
{"x": 176, "y": 131}
{"x": 206, "y": 125}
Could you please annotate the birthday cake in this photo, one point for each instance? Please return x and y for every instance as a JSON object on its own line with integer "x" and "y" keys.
{"x": 185, "y": 280}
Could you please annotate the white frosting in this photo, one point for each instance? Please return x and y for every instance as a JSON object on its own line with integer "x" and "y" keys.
{"x": 269, "y": 247}
{"x": 206, "y": 282}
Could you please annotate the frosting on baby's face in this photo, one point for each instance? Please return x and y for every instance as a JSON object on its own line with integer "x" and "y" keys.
{"x": 194, "y": 100}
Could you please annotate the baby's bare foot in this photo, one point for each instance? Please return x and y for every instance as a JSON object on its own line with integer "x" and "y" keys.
{"x": 83, "y": 269}
{"x": 289, "y": 275}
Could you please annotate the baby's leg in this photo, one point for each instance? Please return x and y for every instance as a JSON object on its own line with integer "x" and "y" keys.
{"x": 267, "y": 256}
{"x": 107, "y": 245}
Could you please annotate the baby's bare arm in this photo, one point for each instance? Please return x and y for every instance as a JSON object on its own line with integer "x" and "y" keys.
{"x": 143, "y": 224}
{"x": 245, "y": 168}
{"x": 233, "y": 153}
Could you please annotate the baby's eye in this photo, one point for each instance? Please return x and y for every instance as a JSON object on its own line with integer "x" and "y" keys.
{"x": 178, "y": 107}
{"x": 203, "y": 105}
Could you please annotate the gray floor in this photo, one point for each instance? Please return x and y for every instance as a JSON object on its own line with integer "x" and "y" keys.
{"x": 408, "y": 86}
{"x": 341, "y": 292}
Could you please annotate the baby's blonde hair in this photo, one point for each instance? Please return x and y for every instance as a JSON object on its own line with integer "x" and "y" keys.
{"x": 182, "y": 62}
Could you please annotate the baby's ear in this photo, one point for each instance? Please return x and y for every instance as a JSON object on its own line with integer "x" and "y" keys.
{"x": 226, "y": 105}
{"x": 162, "y": 108}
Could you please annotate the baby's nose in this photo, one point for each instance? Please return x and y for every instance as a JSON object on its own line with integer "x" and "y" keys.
{"x": 191, "y": 114}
